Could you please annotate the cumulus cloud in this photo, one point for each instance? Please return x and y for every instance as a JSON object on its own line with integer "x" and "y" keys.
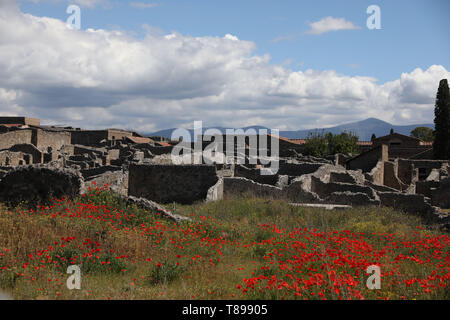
{"x": 84, "y": 3}
{"x": 330, "y": 24}
{"x": 100, "y": 78}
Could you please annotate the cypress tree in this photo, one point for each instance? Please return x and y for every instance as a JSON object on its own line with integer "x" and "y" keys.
{"x": 441, "y": 148}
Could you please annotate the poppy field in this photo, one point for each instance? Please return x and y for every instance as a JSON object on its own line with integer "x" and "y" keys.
{"x": 230, "y": 249}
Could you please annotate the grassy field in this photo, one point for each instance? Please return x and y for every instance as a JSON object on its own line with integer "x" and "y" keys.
{"x": 232, "y": 249}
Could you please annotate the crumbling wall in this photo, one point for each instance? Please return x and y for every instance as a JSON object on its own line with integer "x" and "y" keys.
{"x": 326, "y": 189}
{"x": 424, "y": 166}
{"x": 36, "y": 154}
{"x": 160, "y": 150}
{"x": 376, "y": 175}
{"x": 216, "y": 191}
{"x": 425, "y": 187}
{"x": 116, "y": 181}
{"x": 350, "y": 176}
{"x": 88, "y": 137}
{"x": 298, "y": 193}
{"x": 53, "y": 139}
{"x": 13, "y": 159}
{"x": 366, "y": 161}
{"x": 298, "y": 169}
{"x": 441, "y": 196}
{"x": 37, "y": 185}
{"x": 411, "y": 203}
{"x": 255, "y": 175}
{"x": 238, "y": 187}
{"x": 390, "y": 176}
{"x": 171, "y": 183}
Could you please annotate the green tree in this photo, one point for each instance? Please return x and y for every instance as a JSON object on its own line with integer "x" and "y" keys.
{"x": 373, "y": 137}
{"x": 392, "y": 131}
{"x": 345, "y": 142}
{"x": 441, "y": 148}
{"x": 320, "y": 144}
{"x": 316, "y": 144}
{"x": 423, "y": 133}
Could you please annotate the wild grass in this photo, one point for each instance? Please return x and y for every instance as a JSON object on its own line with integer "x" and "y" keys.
{"x": 127, "y": 253}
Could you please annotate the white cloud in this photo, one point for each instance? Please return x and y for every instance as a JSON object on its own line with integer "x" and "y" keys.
{"x": 330, "y": 24}
{"x": 144, "y": 5}
{"x": 90, "y": 3}
{"x": 99, "y": 78}
{"x": 84, "y": 3}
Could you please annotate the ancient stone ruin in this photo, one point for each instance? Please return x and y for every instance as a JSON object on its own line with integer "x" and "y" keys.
{"x": 40, "y": 162}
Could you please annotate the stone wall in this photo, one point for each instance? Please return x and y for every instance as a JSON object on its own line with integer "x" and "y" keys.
{"x": 298, "y": 169}
{"x": 88, "y": 137}
{"x": 38, "y": 185}
{"x": 411, "y": 203}
{"x": 424, "y": 166}
{"x": 13, "y": 159}
{"x": 255, "y": 175}
{"x": 376, "y": 175}
{"x": 325, "y": 189}
{"x": 30, "y": 149}
{"x": 216, "y": 191}
{"x": 441, "y": 195}
{"x": 20, "y": 120}
{"x": 8, "y": 139}
{"x": 390, "y": 176}
{"x": 424, "y": 187}
{"x": 53, "y": 139}
{"x": 160, "y": 150}
{"x": 116, "y": 181}
{"x": 240, "y": 187}
{"x": 366, "y": 161}
{"x": 397, "y": 152}
{"x": 171, "y": 183}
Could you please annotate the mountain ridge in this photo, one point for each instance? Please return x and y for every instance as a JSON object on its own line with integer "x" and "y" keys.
{"x": 363, "y": 129}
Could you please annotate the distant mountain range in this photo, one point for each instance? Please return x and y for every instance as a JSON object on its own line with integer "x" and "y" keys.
{"x": 363, "y": 129}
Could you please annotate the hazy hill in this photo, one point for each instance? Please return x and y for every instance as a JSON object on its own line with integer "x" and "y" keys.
{"x": 364, "y": 129}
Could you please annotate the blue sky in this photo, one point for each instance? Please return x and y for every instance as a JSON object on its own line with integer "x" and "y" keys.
{"x": 414, "y": 33}
{"x": 150, "y": 65}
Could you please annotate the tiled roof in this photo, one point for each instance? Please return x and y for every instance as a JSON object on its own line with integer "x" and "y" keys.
{"x": 294, "y": 141}
{"x": 139, "y": 139}
{"x": 364, "y": 143}
{"x": 11, "y": 125}
{"x": 163, "y": 144}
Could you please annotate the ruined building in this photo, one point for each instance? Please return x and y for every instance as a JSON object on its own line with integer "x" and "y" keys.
{"x": 390, "y": 171}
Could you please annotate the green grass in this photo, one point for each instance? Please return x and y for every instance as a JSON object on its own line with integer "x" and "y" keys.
{"x": 133, "y": 254}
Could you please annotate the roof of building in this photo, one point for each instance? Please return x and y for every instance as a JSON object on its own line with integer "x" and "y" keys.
{"x": 139, "y": 139}
{"x": 163, "y": 144}
{"x": 399, "y": 135}
{"x": 9, "y": 125}
{"x": 364, "y": 143}
{"x": 294, "y": 141}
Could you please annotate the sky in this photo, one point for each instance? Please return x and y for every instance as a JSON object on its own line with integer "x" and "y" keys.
{"x": 151, "y": 65}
